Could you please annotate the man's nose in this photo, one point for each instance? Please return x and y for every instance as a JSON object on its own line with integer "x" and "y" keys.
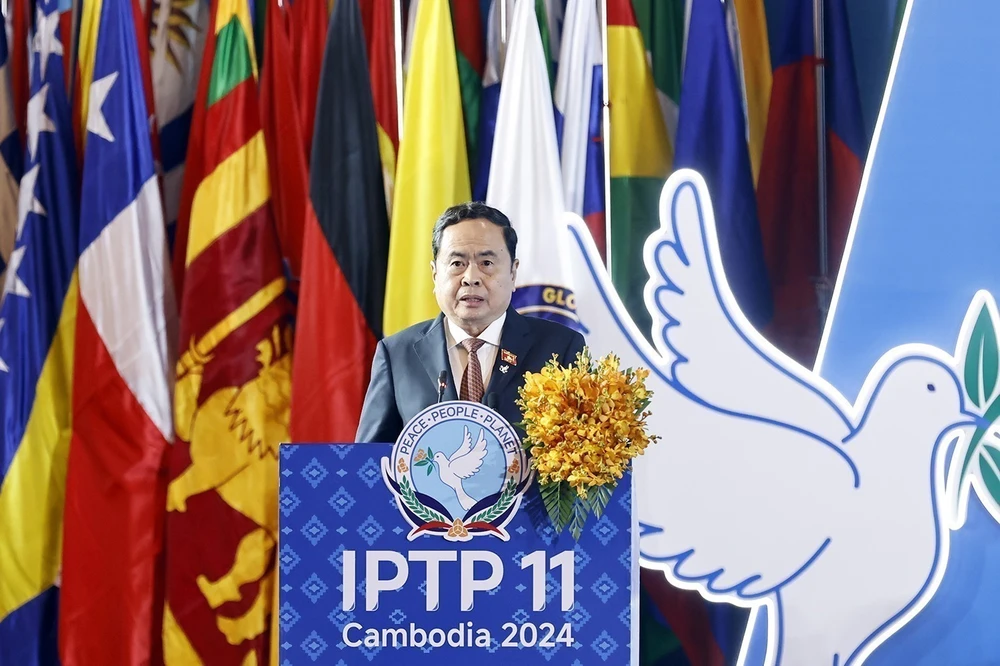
{"x": 472, "y": 276}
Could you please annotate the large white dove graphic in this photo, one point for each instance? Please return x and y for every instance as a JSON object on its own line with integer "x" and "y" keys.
{"x": 769, "y": 489}
{"x": 462, "y": 464}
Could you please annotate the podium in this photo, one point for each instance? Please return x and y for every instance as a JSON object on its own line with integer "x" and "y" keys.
{"x": 436, "y": 549}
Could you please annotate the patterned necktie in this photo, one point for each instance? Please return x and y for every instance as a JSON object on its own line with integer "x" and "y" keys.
{"x": 472, "y": 380}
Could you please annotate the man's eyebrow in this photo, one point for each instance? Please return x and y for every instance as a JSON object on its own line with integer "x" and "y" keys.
{"x": 487, "y": 253}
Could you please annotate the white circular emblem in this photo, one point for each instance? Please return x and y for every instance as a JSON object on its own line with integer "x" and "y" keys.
{"x": 458, "y": 470}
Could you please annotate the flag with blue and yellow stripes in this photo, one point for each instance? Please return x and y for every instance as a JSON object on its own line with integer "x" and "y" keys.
{"x": 37, "y": 329}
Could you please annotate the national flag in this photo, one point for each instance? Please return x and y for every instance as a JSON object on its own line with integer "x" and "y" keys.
{"x": 711, "y": 139}
{"x": 288, "y": 138}
{"x": 231, "y": 404}
{"x": 525, "y": 177}
{"x": 755, "y": 59}
{"x": 11, "y": 157}
{"x": 86, "y": 57}
{"x": 310, "y": 21}
{"x": 125, "y": 335}
{"x": 470, "y": 40}
{"x": 788, "y": 190}
{"x": 496, "y": 51}
{"x": 663, "y": 24}
{"x": 489, "y": 100}
{"x": 579, "y": 100}
{"x": 641, "y": 155}
{"x": 380, "y": 39}
{"x": 432, "y": 173}
{"x": 846, "y": 137}
{"x": 37, "y": 329}
{"x": 339, "y": 318}
{"x": 177, "y": 41}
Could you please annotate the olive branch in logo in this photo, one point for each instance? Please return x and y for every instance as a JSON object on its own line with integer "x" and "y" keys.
{"x": 415, "y": 505}
{"x": 976, "y": 461}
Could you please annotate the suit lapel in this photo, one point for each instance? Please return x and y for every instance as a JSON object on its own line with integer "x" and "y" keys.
{"x": 432, "y": 351}
{"x": 516, "y": 340}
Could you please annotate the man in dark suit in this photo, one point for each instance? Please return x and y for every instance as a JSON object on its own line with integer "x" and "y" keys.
{"x": 478, "y": 344}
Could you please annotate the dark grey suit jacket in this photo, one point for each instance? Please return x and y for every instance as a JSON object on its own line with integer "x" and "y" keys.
{"x": 405, "y": 371}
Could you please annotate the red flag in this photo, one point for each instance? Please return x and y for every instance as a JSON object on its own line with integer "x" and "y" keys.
{"x": 287, "y": 111}
{"x": 346, "y": 249}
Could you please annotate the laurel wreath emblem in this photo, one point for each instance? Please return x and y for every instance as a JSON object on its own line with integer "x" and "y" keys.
{"x": 415, "y": 505}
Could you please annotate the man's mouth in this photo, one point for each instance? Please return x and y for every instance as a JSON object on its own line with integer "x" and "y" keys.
{"x": 472, "y": 300}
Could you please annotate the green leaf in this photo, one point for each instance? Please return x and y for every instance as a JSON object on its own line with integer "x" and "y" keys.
{"x": 580, "y": 511}
{"x": 421, "y": 463}
{"x": 991, "y": 415}
{"x": 599, "y": 497}
{"x": 982, "y": 361}
{"x": 567, "y": 496}
{"x": 430, "y": 453}
{"x": 991, "y": 479}
{"x": 430, "y": 468}
{"x": 550, "y": 493}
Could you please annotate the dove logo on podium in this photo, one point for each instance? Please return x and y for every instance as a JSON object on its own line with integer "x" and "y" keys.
{"x": 457, "y": 470}
{"x": 769, "y": 489}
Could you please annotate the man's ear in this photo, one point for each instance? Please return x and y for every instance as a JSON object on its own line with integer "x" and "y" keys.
{"x": 513, "y": 269}
{"x": 433, "y": 270}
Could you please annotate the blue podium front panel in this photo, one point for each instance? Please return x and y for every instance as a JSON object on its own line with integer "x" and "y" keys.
{"x": 354, "y": 589}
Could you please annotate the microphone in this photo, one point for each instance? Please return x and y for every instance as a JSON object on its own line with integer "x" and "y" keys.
{"x": 442, "y": 384}
{"x": 491, "y": 401}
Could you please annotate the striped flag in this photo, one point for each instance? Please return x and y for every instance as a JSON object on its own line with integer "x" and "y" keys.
{"x": 11, "y": 157}
{"x": 579, "y": 100}
{"x": 347, "y": 242}
{"x": 380, "y": 39}
{"x": 234, "y": 368}
{"x": 846, "y": 137}
{"x": 122, "y": 407}
{"x": 525, "y": 178}
{"x": 432, "y": 173}
{"x": 470, "y": 41}
{"x": 37, "y": 329}
{"x": 663, "y": 24}
{"x": 755, "y": 59}
{"x": 788, "y": 190}
{"x": 177, "y": 41}
{"x": 641, "y": 155}
{"x": 711, "y": 139}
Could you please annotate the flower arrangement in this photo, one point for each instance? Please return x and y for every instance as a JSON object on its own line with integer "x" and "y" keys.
{"x": 583, "y": 424}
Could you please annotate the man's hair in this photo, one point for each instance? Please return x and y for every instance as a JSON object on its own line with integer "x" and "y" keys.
{"x": 474, "y": 210}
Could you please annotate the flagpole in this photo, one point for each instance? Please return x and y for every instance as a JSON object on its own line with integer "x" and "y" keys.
{"x": 823, "y": 286}
{"x": 606, "y": 125}
{"x": 397, "y": 21}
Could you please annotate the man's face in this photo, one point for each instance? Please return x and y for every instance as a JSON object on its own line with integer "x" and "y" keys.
{"x": 473, "y": 274}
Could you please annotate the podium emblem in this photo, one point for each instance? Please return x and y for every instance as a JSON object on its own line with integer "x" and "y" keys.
{"x": 457, "y": 471}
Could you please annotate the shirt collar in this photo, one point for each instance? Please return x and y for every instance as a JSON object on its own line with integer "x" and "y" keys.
{"x": 491, "y": 335}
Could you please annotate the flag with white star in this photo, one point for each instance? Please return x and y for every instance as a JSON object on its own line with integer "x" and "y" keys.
{"x": 37, "y": 338}
{"x": 124, "y": 365}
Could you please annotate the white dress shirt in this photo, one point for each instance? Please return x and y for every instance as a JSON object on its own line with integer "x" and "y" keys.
{"x": 458, "y": 356}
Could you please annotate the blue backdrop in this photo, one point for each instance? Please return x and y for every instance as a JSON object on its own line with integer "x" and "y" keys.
{"x": 927, "y": 239}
